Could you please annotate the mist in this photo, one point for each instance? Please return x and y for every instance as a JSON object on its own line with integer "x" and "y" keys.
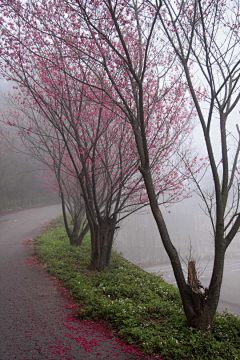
{"x": 21, "y": 185}
{"x": 138, "y": 237}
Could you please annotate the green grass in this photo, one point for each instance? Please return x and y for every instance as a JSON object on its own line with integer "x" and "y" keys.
{"x": 142, "y": 307}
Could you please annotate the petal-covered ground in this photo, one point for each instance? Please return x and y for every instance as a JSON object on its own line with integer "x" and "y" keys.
{"x": 37, "y": 317}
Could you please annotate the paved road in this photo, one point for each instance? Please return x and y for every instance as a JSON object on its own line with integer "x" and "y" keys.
{"x": 36, "y": 321}
{"x": 230, "y": 292}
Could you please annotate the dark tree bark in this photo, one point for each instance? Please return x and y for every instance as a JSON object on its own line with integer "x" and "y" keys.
{"x": 102, "y": 237}
{"x": 82, "y": 234}
{"x": 76, "y": 235}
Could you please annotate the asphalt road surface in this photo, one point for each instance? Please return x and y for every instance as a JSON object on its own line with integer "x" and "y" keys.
{"x": 230, "y": 291}
{"x": 36, "y": 321}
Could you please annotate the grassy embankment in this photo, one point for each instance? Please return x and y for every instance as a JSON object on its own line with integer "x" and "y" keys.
{"x": 142, "y": 307}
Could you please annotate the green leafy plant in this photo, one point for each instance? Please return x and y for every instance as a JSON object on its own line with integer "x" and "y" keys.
{"x": 143, "y": 308}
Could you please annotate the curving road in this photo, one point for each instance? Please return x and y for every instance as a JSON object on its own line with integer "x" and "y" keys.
{"x": 36, "y": 321}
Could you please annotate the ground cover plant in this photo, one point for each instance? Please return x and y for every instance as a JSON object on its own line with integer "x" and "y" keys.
{"x": 144, "y": 309}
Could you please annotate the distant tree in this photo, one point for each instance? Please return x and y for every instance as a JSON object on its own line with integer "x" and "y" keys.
{"x": 19, "y": 183}
{"x": 67, "y": 187}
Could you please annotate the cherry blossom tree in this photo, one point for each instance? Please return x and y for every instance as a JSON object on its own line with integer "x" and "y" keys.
{"x": 72, "y": 201}
{"x": 204, "y": 38}
{"x": 74, "y": 95}
{"x": 67, "y": 187}
{"x": 130, "y": 46}
{"x": 105, "y": 58}
{"x": 138, "y": 65}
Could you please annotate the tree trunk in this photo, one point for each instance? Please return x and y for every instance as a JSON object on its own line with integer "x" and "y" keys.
{"x": 199, "y": 308}
{"x": 102, "y": 240}
{"x": 200, "y": 305}
{"x": 68, "y": 230}
{"x": 75, "y": 236}
{"x": 83, "y": 232}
